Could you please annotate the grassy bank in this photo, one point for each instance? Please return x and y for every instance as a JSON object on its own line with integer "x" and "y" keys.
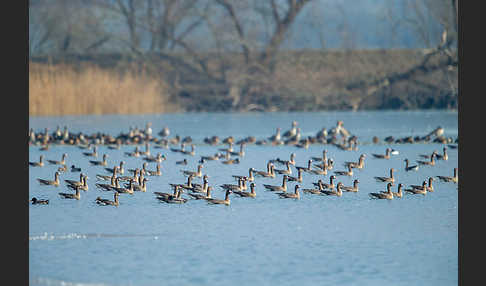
{"x": 65, "y": 90}
{"x": 301, "y": 81}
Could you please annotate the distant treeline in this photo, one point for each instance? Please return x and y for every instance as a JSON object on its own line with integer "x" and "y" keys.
{"x": 297, "y": 81}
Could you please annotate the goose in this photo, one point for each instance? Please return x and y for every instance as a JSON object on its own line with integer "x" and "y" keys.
{"x": 192, "y": 152}
{"x": 198, "y": 187}
{"x": 293, "y": 140}
{"x": 231, "y": 161}
{"x": 62, "y": 162}
{"x": 159, "y": 158}
{"x": 62, "y": 169}
{"x": 287, "y": 171}
{"x": 328, "y": 165}
{"x": 269, "y": 173}
{"x": 327, "y": 186}
{"x": 314, "y": 191}
{"x": 444, "y": 156}
{"x": 453, "y": 179}
{"x": 420, "y": 191}
{"x": 337, "y": 193}
{"x": 429, "y": 163}
{"x": 49, "y": 182}
{"x": 108, "y": 177}
{"x": 399, "y": 193}
{"x": 36, "y": 201}
{"x": 410, "y": 168}
{"x": 177, "y": 199}
{"x": 157, "y": 172}
{"x": 166, "y": 195}
{"x": 137, "y": 170}
{"x": 283, "y": 162}
{"x": 83, "y": 186}
{"x": 109, "y": 187}
{"x": 387, "y": 179}
{"x": 295, "y": 195}
{"x": 106, "y": 202}
{"x": 276, "y": 138}
{"x": 120, "y": 168}
{"x": 74, "y": 182}
{"x": 188, "y": 185}
{"x": 273, "y": 188}
{"x": 124, "y": 190}
{"x": 303, "y": 143}
{"x": 75, "y": 196}
{"x": 92, "y": 154}
{"x": 135, "y": 153}
{"x": 349, "y": 172}
{"x": 388, "y": 195}
{"x": 354, "y": 188}
{"x": 164, "y": 132}
{"x": 201, "y": 196}
{"x": 229, "y": 149}
{"x": 100, "y": 163}
{"x": 240, "y": 187}
{"x": 381, "y": 156}
{"x": 249, "y": 178}
{"x": 319, "y": 171}
{"x": 428, "y": 188}
{"x": 321, "y": 159}
{"x": 141, "y": 187}
{"x": 292, "y": 131}
{"x": 250, "y": 194}
{"x": 147, "y": 150}
{"x": 296, "y": 179}
{"x": 241, "y": 153}
{"x": 357, "y": 165}
{"x": 306, "y": 169}
{"x": 226, "y": 200}
{"x": 198, "y": 173}
{"x": 211, "y": 158}
{"x": 38, "y": 164}
{"x": 339, "y": 130}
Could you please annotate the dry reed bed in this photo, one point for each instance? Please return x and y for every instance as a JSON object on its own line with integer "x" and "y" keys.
{"x": 63, "y": 90}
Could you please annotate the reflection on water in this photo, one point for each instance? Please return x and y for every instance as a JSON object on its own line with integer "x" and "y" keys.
{"x": 265, "y": 240}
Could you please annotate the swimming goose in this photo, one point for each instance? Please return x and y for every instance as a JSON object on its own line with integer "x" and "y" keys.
{"x": 211, "y": 158}
{"x": 135, "y": 153}
{"x": 427, "y": 156}
{"x": 137, "y": 170}
{"x": 306, "y": 169}
{"x": 250, "y": 194}
{"x": 100, "y": 163}
{"x": 287, "y": 171}
{"x": 283, "y": 162}
{"x": 339, "y": 130}
{"x": 187, "y": 186}
{"x": 177, "y": 199}
{"x": 381, "y": 156}
{"x": 444, "y": 156}
{"x": 349, "y": 172}
{"x": 354, "y": 188}
{"x": 141, "y": 187}
{"x": 269, "y": 173}
{"x": 337, "y": 193}
{"x": 418, "y": 191}
{"x": 49, "y": 182}
{"x": 106, "y": 202}
{"x": 192, "y": 152}
{"x": 387, "y": 179}
{"x": 159, "y": 158}
{"x": 439, "y": 131}
{"x": 453, "y": 179}
{"x": 429, "y": 163}
{"x": 399, "y": 193}
{"x": 83, "y": 186}
{"x": 388, "y": 195}
{"x": 196, "y": 174}
{"x": 109, "y": 187}
{"x": 75, "y": 196}
{"x": 62, "y": 162}
{"x": 74, "y": 182}
{"x": 326, "y": 186}
{"x": 321, "y": 159}
{"x": 227, "y": 150}
{"x": 124, "y": 190}
{"x": 410, "y": 168}
{"x": 328, "y": 165}
{"x": 359, "y": 164}
{"x": 314, "y": 191}
{"x": 38, "y": 164}
{"x": 182, "y": 162}
{"x": 36, "y": 201}
{"x": 276, "y": 138}
{"x": 241, "y": 153}
{"x": 44, "y": 147}
{"x": 231, "y": 161}
{"x": 147, "y": 150}
{"x": 198, "y": 187}
{"x": 157, "y": 172}
{"x": 295, "y": 195}
{"x": 305, "y": 143}
{"x": 108, "y": 177}
{"x": 75, "y": 169}
{"x": 273, "y": 188}
{"x": 166, "y": 195}
{"x": 296, "y": 179}
{"x": 428, "y": 188}
{"x": 116, "y": 146}
{"x": 92, "y": 154}
{"x": 226, "y": 200}
{"x": 295, "y": 139}
{"x": 175, "y": 140}
{"x": 213, "y": 140}
{"x": 240, "y": 187}
{"x": 292, "y": 131}
{"x": 206, "y": 196}
{"x": 248, "y": 178}
{"x": 120, "y": 169}
{"x": 164, "y": 132}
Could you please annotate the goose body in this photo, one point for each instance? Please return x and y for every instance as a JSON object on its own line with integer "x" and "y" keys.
{"x": 273, "y": 188}
{"x": 49, "y": 182}
{"x": 226, "y": 200}
{"x": 453, "y": 179}
{"x": 353, "y": 188}
{"x": 75, "y": 196}
{"x": 38, "y": 164}
{"x": 387, "y": 179}
{"x": 250, "y": 194}
{"x": 295, "y": 195}
{"x": 388, "y": 195}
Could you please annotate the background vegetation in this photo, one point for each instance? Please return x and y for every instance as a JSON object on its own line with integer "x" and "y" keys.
{"x": 152, "y": 56}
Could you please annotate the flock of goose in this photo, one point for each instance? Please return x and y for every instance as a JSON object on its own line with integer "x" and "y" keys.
{"x": 121, "y": 180}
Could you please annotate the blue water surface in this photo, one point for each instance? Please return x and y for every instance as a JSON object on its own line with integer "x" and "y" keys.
{"x": 317, "y": 240}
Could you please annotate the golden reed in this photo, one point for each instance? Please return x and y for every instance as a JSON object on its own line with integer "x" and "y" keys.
{"x": 63, "y": 90}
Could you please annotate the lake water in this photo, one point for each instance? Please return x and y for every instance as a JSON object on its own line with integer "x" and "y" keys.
{"x": 317, "y": 240}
